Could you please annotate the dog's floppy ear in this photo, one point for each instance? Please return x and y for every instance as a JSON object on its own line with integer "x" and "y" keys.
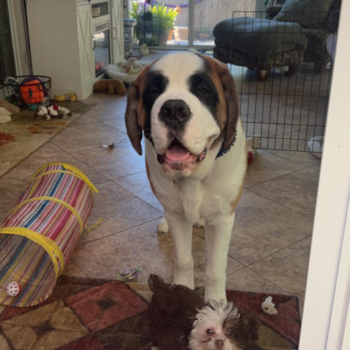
{"x": 226, "y": 86}
{"x": 232, "y": 104}
{"x": 250, "y": 326}
{"x": 135, "y": 116}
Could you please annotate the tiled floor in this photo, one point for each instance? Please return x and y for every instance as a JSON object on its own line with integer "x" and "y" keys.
{"x": 271, "y": 240}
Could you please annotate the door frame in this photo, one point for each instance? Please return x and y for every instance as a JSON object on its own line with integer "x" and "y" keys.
{"x": 190, "y": 45}
{"x": 326, "y": 312}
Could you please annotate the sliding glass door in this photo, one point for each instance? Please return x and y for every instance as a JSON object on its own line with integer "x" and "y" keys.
{"x": 182, "y": 24}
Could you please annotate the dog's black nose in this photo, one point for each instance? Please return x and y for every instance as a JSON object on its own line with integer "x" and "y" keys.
{"x": 219, "y": 344}
{"x": 174, "y": 113}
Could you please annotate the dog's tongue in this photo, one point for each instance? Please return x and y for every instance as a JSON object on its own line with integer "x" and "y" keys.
{"x": 177, "y": 152}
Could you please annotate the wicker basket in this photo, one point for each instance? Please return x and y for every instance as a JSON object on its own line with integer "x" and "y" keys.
{"x": 27, "y": 91}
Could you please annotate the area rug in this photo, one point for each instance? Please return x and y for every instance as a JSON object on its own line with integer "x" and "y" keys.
{"x": 25, "y": 133}
{"x": 92, "y": 314}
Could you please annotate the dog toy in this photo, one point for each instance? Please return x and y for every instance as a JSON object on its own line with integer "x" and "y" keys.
{"x": 268, "y": 306}
{"x": 65, "y": 111}
{"x": 315, "y": 145}
{"x": 110, "y": 146}
{"x": 32, "y": 91}
{"x": 111, "y": 86}
{"x": 12, "y": 289}
{"x": 66, "y": 97}
{"x": 128, "y": 274}
{"x": 144, "y": 49}
{"x": 6, "y": 110}
{"x": 253, "y": 143}
{"x": 53, "y": 111}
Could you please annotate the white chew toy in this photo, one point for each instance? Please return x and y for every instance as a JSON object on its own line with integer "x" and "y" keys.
{"x": 268, "y": 306}
{"x": 12, "y": 289}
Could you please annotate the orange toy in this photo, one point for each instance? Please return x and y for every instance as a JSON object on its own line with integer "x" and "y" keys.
{"x": 32, "y": 92}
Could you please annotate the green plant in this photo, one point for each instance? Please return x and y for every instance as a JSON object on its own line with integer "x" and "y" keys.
{"x": 144, "y": 13}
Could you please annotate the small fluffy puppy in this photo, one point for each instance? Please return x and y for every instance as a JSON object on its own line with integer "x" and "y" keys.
{"x": 180, "y": 320}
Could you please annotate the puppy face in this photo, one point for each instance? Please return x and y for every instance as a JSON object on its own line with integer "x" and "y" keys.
{"x": 221, "y": 327}
{"x": 186, "y": 105}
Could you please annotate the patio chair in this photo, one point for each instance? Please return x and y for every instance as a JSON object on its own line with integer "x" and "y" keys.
{"x": 297, "y": 34}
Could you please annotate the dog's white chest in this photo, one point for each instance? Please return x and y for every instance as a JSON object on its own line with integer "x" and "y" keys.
{"x": 191, "y": 197}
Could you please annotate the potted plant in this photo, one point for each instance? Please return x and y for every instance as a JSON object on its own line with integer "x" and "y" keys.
{"x": 203, "y": 34}
{"x": 153, "y": 20}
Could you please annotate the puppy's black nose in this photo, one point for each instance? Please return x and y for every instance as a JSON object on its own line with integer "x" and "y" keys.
{"x": 174, "y": 113}
{"x": 219, "y": 344}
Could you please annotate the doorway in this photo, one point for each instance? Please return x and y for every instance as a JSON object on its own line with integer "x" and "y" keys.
{"x": 194, "y": 21}
{"x": 7, "y": 59}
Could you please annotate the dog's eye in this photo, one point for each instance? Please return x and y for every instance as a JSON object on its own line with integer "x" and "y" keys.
{"x": 203, "y": 89}
{"x": 209, "y": 331}
{"x": 230, "y": 333}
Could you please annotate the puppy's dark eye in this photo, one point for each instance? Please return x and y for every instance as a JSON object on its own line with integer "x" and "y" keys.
{"x": 209, "y": 331}
{"x": 230, "y": 334}
{"x": 203, "y": 89}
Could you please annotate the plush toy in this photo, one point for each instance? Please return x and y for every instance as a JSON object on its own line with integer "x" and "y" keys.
{"x": 53, "y": 111}
{"x": 64, "y": 111}
{"x": 111, "y": 86}
{"x": 6, "y": 110}
{"x": 66, "y": 97}
{"x": 252, "y": 144}
{"x": 269, "y": 307}
{"x": 32, "y": 91}
{"x": 144, "y": 49}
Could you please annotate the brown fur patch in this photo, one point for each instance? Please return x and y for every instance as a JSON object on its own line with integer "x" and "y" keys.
{"x": 150, "y": 182}
{"x": 135, "y": 116}
{"x": 228, "y": 108}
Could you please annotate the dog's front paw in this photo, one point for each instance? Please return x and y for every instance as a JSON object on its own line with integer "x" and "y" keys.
{"x": 163, "y": 226}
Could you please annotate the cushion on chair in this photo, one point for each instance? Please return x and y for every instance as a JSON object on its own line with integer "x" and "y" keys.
{"x": 308, "y": 13}
{"x": 259, "y": 38}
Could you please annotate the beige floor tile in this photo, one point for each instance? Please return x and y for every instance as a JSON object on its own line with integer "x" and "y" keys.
{"x": 113, "y": 163}
{"x": 117, "y": 123}
{"x": 287, "y": 268}
{"x": 266, "y": 166}
{"x": 73, "y": 270}
{"x": 108, "y": 110}
{"x": 296, "y": 191}
{"x": 138, "y": 184}
{"x": 263, "y": 227}
{"x": 88, "y": 136}
{"x": 84, "y": 119}
{"x": 49, "y": 150}
{"x": 247, "y": 280}
{"x": 14, "y": 182}
{"x": 304, "y": 158}
{"x": 139, "y": 247}
{"x": 120, "y": 211}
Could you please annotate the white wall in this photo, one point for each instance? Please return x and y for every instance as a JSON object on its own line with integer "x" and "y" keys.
{"x": 326, "y": 295}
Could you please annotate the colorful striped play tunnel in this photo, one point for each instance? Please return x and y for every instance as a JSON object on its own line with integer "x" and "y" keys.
{"x": 38, "y": 236}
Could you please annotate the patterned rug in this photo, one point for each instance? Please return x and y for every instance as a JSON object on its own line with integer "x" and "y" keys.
{"x": 92, "y": 314}
{"x": 25, "y": 134}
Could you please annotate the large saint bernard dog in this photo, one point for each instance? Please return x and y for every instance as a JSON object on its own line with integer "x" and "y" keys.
{"x": 186, "y": 105}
